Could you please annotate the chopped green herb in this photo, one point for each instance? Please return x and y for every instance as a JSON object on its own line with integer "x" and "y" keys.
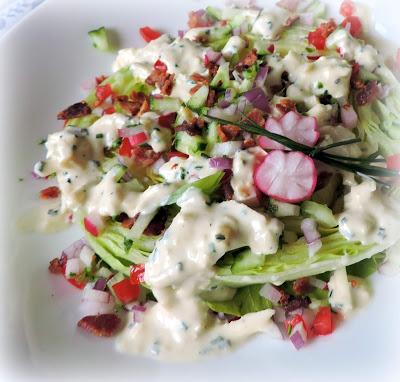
{"x": 52, "y": 212}
{"x": 42, "y": 141}
{"x": 99, "y": 136}
{"x": 220, "y": 236}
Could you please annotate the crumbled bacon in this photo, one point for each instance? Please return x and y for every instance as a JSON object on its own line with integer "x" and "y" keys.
{"x": 257, "y": 116}
{"x": 102, "y": 325}
{"x": 144, "y": 156}
{"x": 162, "y": 80}
{"x": 210, "y": 98}
{"x": 192, "y": 128}
{"x": 128, "y": 222}
{"x": 296, "y": 303}
{"x": 302, "y": 286}
{"x": 368, "y": 93}
{"x": 79, "y": 109}
{"x": 166, "y": 88}
{"x": 56, "y": 266}
{"x": 136, "y": 104}
{"x": 285, "y": 105}
{"x": 51, "y": 192}
{"x": 195, "y": 88}
{"x": 228, "y": 132}
{"x": 249, "y": 142}
{"x": 226, "y": 188}
{"x": 199, "y": 79}
{"x": 212, "y": 69}
{"x": 248, "y": 60}
{"x": 100, "y": 79}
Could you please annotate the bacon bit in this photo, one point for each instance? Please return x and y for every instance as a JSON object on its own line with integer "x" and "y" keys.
{"x": 249, "y": 142}
{"x": 178, "y": 154}
{"x": 49, "y": 193}
{"x": 199, "y": 79}
{"x": 145, "y": 107}
{"x": 128, "y": 222}
{"x": 102, "y": 325}
{"x": 256, "y": 115}
{"x": 79, "y": 109}
{"x": 144, "y": 156}
{"x": 157, "y": 224}
{"x": 100, "y": 79}
{"x": 192, "y": 128}
{"x": 271, "y": 48}
{"x": 138, "y": 103}
{"x": 313, "y": 58}
{"x": 367, "y": 93}
{"x": 212, "y": 69}
{"x": 166, "y": 120}
{"x": 302, "y": 286}
{"x": 57, "y": 265}
{"x": 354, "y": 283}
{"x": 210, "y": 98}
{"x": 199, "y": 19}
{"x": 226, "y": 188}
{"x": 295, "y": 303}
{"x": 195, "y": 88}
{"x": 228, "y": 132}
{"x": 248, "y": 60}
{"x": 291, "y": 20}
{"x": 166, "y": 88}
{"x": 285, "y": 105}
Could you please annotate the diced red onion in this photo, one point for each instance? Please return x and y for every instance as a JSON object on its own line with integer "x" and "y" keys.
{"x": 279, "y": 315}
{"x": 130, "y": 131}
{"x": 74, "y": 249}
{"x": 36, "y": 176}
{"x": 100, "y": 284}
{"x": 298, "y": 337}
{"x": 257, "y": 98}
{"x": 308, "y": 317}
{"x": 314, "y": 247}
{"x": 309, "y": 228}
{"x": 73, "y": 266}
{"x": 242, "y": 103}
{"x": 317, "y": 283}
{"x": 94, "y": 223}
{"x": 181, "y": 33}
{"x": 261, "y": 76}
{"x": 221, "y": 163}
{"x": 293, "y": 313}
{"x": 96, "y": 295}
{"x": 349, "y": 116}
{"x": 271, "y": 293}
{"x": 228, "y": 98}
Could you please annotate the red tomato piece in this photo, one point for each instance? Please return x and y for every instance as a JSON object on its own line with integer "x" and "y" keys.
{"x": 74, "y": 282}
{"x": 137, "y": 139}
{"x": 125, "y": 291}
{"x": 271, "y": 48}
{"x": 322, "y": 324}
{"x": 172, "y": 154}
{"x": 347, "y": 8}
{"x": 136, "y": 274}
{"x": 318, "y": 37}
{"x": 159, "y": 65}
{"x": 148, "y": 34}
{"x": 100, "y": 79}
{"x": 50, "y": 193}
{"x": 393, "y": 162}
{"x": 109, "y": 110}
{"x": 355, "y": 25}
{"x": 102, "y": 93}
{"x": 166, "y": 120}
{"x": 125, "y": 149}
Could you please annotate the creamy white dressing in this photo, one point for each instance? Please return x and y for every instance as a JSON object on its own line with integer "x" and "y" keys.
{"x": 186, "y": 169}
{"x": 234, "y": 45}
{"x": 370, "y": 216}
{"x": 354, "y": 49}
{"x": 242, "y": 182}
{"x": 270, "y": 23}
{"x": 179, "y": 326}
{"x": 332, "y": 134}
{"x": 339, "y": 292}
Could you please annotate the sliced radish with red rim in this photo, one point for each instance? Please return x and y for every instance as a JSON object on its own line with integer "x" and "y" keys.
{"x": 286, "y": 176}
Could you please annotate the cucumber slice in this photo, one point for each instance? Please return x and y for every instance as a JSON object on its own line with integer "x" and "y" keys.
{"x": 247, "y": 260}
{"x": 190, "y": 144}
{"x": 198, "y": 99}
{"x": 212, "y": 136}
{"x": 185, "y": 114}
{"x": 319, "y": 212}
{"x": 221, "y": 78}
{"x": 165, "y": 104}
{"x": 281, "y": 209}
{"x": 214, "y": 12}
{"x": 99, "y": 39}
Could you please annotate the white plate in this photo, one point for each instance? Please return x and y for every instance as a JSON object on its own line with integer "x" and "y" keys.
{"x": 42, "y": 62}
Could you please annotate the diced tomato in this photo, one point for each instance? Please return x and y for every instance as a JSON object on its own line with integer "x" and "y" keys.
{"x": 73, "y": 281}
{"x": 137, "y": 274}
{"x": 355, "y": 25}
{"x": 172, "y": 154}
{"x": 393, "y": 162}
{"x": 159, "y": 65}
{"x": 109, "y": 110}
{"x": 148, "y": 34}
{"x": 271, "y": 48}
{"x": 166, "y": 120}
{"x": 102, "y": 93}
{"x": 322, "y": 324}
{"x": 90, "y": 227}
{"x": 50, "y": 193}
{"x": 125, "y": 149}
{"x": 347, "y": 8}
{"x": 318, "y": 37}
{"x": 125, "y": 291}
{"x": 100, "y": 79}
{"x": 137, "y": 139}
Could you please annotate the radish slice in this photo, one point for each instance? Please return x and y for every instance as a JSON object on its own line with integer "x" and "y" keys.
{"x": 287, "y": 177}
{"x": 349, "y": 116}
{"x": 94, "y": 224}
{"x": 294, "y": 126}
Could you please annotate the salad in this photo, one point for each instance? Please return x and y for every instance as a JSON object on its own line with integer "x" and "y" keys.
{"x": 241, "y": 178}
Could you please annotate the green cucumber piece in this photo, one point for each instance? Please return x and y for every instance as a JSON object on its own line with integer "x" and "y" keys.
{"x": 99, "y": 39}
{"x": 198, "y": 99}
{"x": 319, "y": 212}
{"x": 165, "y": 104}
{"x": 281, "y": 209}
{"x": 190, "y": 144}
{"x": 221, "y": 78}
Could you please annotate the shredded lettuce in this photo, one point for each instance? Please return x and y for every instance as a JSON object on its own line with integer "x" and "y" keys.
{"x": 246, "y": 300}
{"x": 293, "y": 261}
{"x": 366, "y": 267}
